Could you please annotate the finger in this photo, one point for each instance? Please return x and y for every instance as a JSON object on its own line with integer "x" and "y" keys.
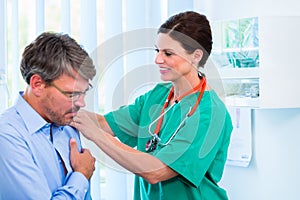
{"x": 74, "y": 124}
{"x": 76, "y": 119}
{"x": 73, "y": 146}
{"x": 80, "y": 113}
{"x": 85, "y": 150}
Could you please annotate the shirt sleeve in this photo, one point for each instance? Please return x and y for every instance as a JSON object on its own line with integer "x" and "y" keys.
{"x": 76, "y": 185}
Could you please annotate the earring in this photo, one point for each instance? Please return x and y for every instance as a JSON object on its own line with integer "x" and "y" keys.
{"x": 200, "y": 74}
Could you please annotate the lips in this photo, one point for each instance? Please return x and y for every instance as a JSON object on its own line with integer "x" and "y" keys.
{"x": 163, "y": 70}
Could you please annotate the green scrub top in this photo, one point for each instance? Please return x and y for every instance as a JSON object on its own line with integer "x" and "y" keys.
{"x": 197, "y": 152}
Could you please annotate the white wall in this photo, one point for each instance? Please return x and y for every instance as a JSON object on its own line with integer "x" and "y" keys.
{"x": 274, "y": 170}
{"x": 227, "y": 9}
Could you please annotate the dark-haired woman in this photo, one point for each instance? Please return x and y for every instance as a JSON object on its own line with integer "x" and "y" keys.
{"x": 181, "y": 129}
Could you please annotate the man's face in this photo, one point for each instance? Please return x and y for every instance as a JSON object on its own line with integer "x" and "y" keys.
{"x": 63, "y": 98}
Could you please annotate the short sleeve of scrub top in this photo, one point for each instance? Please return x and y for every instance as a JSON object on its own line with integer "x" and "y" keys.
{"x": 130, "y": 123}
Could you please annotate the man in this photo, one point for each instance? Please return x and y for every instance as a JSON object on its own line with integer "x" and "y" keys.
{"x": 41, "y": 155}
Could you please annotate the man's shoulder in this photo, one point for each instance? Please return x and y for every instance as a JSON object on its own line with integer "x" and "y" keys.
{"x": 11, "y": 122}
{"x": 9, "y": 116}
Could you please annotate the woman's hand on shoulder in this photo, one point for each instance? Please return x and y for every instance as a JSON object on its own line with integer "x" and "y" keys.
{"x": 86, "y": 122}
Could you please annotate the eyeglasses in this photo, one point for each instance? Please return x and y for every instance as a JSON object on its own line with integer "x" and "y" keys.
{"x": 72, "y": 96}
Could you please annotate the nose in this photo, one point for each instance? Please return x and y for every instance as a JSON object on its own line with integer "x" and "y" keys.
{"x": 80, "y": 102}
{"x": 159, "y": 58}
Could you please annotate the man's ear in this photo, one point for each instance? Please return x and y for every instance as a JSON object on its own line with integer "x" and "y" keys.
{"x": 197, "y": 55}
{"x": 37, "y": 84}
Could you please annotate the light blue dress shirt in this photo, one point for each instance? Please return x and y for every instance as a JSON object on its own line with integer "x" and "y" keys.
{"x": 29, "y": 165}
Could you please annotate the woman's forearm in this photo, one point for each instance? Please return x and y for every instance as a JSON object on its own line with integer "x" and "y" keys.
{"x": 142, "y": 164}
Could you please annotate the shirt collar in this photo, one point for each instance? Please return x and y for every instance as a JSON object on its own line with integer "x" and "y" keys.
{"x": 31, "y": 118}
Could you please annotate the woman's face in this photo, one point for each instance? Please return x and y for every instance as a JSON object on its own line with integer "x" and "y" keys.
{"x": 174, "y": 62}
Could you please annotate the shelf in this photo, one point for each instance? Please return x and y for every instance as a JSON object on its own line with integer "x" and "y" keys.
{"x": 242, "y": 49}
{"x": 242, "y": 101}
{"x": 239, "y": 73}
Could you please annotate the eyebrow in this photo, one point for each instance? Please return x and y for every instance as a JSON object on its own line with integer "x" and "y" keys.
{"x": 87, "y": 89}
{"x": 72, "y": 92}
{"x": 164, "y": 49}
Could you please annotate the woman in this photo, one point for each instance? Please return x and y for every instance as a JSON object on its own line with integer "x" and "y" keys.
{"x": 181, "y": 129}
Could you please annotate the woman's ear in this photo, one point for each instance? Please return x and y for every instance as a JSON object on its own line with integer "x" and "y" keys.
{"x": 37, "y": 84}
{"x": 197, "y": 56}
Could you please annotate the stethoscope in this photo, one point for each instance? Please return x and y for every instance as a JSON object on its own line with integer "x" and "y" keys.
{"x": 155, "y": 139}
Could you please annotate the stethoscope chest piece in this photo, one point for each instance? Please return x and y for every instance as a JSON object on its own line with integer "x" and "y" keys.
{"x": 151, "y": 144}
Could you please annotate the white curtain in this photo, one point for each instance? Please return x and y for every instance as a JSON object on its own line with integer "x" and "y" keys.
{"x": 3, "y": 57}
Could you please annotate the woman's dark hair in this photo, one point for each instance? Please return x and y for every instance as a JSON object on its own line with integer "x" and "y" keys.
{"x": 192, "y": 30}
{"x": 54, "y": 54}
